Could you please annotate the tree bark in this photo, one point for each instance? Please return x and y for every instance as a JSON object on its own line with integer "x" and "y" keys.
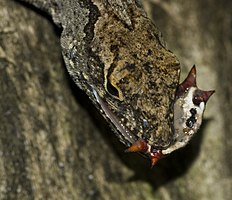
{"x": 53, "y": 144}
{"x": 199, "y": 32}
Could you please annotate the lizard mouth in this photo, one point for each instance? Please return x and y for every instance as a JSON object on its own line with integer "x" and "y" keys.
{"x": 125, "y": 133}
{"x": 138, "y": 145}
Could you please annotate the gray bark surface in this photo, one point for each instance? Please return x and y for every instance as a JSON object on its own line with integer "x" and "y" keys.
{"x": 54, "y": 145}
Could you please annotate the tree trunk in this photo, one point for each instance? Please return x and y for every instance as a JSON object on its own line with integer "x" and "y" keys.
{"x": 53, "y": 143}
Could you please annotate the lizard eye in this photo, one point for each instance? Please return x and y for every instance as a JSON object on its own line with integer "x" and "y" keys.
{"x": 112, "y": 90}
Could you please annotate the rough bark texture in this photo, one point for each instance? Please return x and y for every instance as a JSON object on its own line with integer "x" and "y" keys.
{"x": 200, "y": 32}
{"x": 51, "y": 145}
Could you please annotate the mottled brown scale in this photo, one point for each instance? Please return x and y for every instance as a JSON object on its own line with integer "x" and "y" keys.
{"x": 140, "y": 75}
